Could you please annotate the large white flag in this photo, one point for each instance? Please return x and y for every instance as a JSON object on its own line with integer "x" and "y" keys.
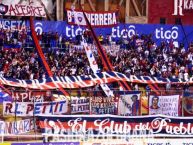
{"x": 95, "y": 69}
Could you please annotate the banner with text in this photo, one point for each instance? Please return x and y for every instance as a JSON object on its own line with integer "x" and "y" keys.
{"x": 103, "y": 105}
{"x": 160, "y": 33}
{"x": 96, "y": 19}
{"x": 84, "y": 81}
{"x": 13, "y": 24}
{"x": 105, "y": 125}
{"x": 21, "y": 9}
{"x": 31, "y": 96}
{"x": 36, "y": 108}
{"x": 166, "y": 105}
{"x": 80, "y": 105}
{"x": 16, "y": 127}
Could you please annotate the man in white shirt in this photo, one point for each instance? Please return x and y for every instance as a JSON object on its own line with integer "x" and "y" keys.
{"x": 154, "y": 106}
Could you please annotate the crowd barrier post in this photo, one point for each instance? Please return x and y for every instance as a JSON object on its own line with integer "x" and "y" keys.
{"x": 34, "y": 119}
{"x": 90, "y": 102}
{"x": 15, "y": 116}
{"x": 70, "y": 100}
{"x": 2, "y": 137}
{"x": 182, "y": 103}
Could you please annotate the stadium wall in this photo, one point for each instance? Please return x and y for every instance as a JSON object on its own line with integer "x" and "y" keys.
{"x": 171, "y": 10}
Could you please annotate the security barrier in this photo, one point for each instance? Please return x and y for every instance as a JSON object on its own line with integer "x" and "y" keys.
{"x": 26, "y": 105}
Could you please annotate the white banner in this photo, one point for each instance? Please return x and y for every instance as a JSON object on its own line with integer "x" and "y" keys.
{"x": 129, "y": 104}
{"x": 36, "y": 108}
{"x": 29, "y": 8}
{"x": 80, "y": 105}
{"x": 166, "y": 105}
{"x": 16, "y": 127}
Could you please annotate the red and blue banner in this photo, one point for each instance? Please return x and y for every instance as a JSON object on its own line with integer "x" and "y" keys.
{"x": 86, "y": 81}
{"x": 5, "y": 96}
{"x": 12, "y": 47}
{"x": 104, "y": 125}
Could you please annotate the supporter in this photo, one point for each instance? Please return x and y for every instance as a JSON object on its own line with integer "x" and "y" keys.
{"x": 135, "y": 105}
{"x": 39, "y": 38}
{"x": 88, "y": 36}
{"x": 78, "y": 38}
{"x": 101, "y": 38}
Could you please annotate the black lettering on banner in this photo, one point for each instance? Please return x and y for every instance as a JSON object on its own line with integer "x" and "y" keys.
{"x": 11, "y": 9}
{"x": 22, "y": 10}
{"x": 28, "y": 10}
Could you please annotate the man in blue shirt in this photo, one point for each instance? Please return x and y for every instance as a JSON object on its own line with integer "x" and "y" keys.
{"x": 135, "y": 105}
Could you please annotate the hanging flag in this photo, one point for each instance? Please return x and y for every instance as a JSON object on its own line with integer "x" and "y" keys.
{"x": 107, "y": 65}
{"x": 4, "y": 97}
{"x": 95, "y": 69}
{"x": 84, "y": 81}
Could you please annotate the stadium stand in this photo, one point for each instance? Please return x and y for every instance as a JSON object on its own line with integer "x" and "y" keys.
{"x": 94, "y": 104}
{"x": 140, "y": 56}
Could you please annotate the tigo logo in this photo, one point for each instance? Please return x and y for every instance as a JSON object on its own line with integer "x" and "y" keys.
{"x": 167, "y": 34}
{"x": 124, "y": 33}
{"x": 38, "y": 27}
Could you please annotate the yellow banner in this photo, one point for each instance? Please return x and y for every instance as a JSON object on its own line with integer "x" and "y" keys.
{"x": 5, "y": 143}
{"x": 144, "y": 105}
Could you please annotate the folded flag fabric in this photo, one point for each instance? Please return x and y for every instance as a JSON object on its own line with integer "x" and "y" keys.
{"x": 5, "y": 96}
{"x": 12, "y": 47}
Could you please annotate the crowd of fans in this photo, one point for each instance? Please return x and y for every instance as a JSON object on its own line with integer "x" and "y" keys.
{"x": 148, "y": 59}
{"x": 138, "y": 55}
